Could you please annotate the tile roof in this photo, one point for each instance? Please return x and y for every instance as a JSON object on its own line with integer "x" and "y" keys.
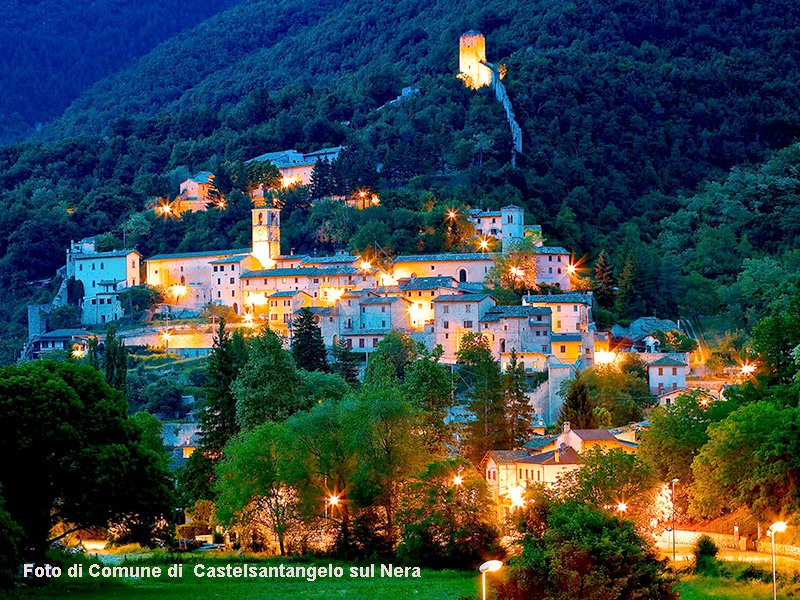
{"x": 201, "y": 254}
{"x": 551, "y": 250}
{"x": 317, "y": 310}
{"x": 462, "y": 297}
{"x": 323, "y": 260}
{"x": 300, "y": 272}
{"x": 667, "y": 361}
{"x": 514, "y": 312}
{"x": 286, "y": 294}
{"x": 382, "y": 300}
{"x": 230, "y": 259}
{"x": 109, "y": 254}
{"x": 565, "y": 298}
{"x": 566, "y": 337}
{"x": 594, "y": 435}
{"x": 566, "y": 456}
{"x": 202, "y": 177}
{"x": 446, "y": 256}
{"x": 65, "y": 333}
{"x": 507, "y": 456}
{"x": 427, "y": 283}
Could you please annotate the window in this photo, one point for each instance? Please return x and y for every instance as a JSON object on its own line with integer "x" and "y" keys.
{"x": 432, "y": 267}
{"x": 539, "y": 318}
{"x": 446, "y": 309}
{"x": 558, "y": 324}
{"x": 273, "y": 317}
{"x": 574, "y": 308}
{"x": 316, "y": 279}
{"x": 559, "y": 270}
{"x": 467, "y": 324}
{"x": 660, "y": 370}
{"x": 445, "y": 324}
{"x": 563, "y": 349}
{"x": 233, "y": 279}
{"x": 383, "y": 308}
{"x": 219, "y": 281}
{"x": 287, "y": 302}
{"x": 550, "y": 258}
{"x": 233, "y": 268}
{"x": 374, "y": 342}
{"x": 80, "y": 268}
{"x": 233, "y": 293}
{"x": 219, "y": 294}
{"x": 550, "y": 270}
{"x": 222, "y": 268}
{"x": 361, "y": 342}
{"x": 674, "y": 370}
{"x": 273, "y": 303}
{"x": 94, "y": 266}
{"x": 383, "y": 323}
{"x": 468, "y": 308}
{"x": 133, "y": 263}
{"x": 538, "y": 333}
{"x": 101, "y": 266}
{"x": 349, "y": 343}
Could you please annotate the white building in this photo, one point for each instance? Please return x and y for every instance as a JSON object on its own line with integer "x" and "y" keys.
{"x": 103, "y": 275}
{"x": 571, "y": 312}
{"x": 506, "y": 225}
{"x": 194, "y": 192}
{"x": 667, "y": 374}
{"x": 296, "y": 167}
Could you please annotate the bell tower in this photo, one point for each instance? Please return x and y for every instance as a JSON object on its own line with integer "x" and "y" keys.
{"x": 472, "y": 60}
{"x": 266, "y": 235}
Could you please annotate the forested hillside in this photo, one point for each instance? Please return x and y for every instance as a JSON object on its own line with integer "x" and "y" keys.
{"x": 52, "y": 50}
{"x": 625, "y": 107}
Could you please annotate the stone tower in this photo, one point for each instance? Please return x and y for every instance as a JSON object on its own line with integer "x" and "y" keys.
{"x": 266, "y": 235}
{"x": 513, "y": 226}
{"x": 472, "y": 59}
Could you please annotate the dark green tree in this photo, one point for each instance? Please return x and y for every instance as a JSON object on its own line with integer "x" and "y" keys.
{"x": 115, "y": 359}
{"x": 490, "y": 429}
{"x": 429, "y": 387}
{"x": 603, "y": 284}
{"x": 578, "y": 408}
{"x": 346, "y": 363}
{"x": 308, "y": 349}
{"x": 218, "y": 416}
{"x": 518, "y": 408}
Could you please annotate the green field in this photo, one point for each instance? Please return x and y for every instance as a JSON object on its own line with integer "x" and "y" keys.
{"x": 702, "y": 588}
{"x": 433, "y": 585}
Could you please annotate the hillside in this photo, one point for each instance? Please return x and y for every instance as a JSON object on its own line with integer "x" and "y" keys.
{"x": 625, "y": 108}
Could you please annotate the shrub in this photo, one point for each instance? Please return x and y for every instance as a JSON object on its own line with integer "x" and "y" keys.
{"x": 11, "y": 536}
{"x": 705, "y": 556}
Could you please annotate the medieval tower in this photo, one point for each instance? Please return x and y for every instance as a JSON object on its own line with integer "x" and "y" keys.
{"x": 472, "y": 60}
{"x": 266, "y": 235}
{"x": 476, "y": 72}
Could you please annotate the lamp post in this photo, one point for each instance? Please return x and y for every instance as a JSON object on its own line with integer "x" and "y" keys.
{"x": 777, "y": 527}
{"x": 672, "y": 498}
{"x": 490, "y": 566}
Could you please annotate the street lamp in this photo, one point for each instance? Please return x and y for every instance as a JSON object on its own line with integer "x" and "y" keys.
{"x": 332, "y": 500}
{"x": 490, "y": 566}
{"x": 777, "y": 527}
{"x": 458, "y": 480}
{"x": 622, "y": 507}
{"x": 672, "y": 497}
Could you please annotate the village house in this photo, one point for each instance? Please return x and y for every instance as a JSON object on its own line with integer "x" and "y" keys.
{"x": 572, "y": 311}
{"x": 102, "y": 275}
{"x": 523, "y": 329}
{"x": 72, "y": 341}
{"x": 195, "y": 192}
{"x": 456, "y": 315}
{"x": 506, "y": 225}
{"x": 296, "y": 167}
{"x": 667, "y": 374}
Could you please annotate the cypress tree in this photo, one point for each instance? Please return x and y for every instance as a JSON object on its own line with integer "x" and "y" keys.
{"x": 603, "y": 281}
{"x": 518, "y": 409}
{"x": 308, "y": 348}
{"x": 578, "y": 407}
{"x": 345, "y": 364}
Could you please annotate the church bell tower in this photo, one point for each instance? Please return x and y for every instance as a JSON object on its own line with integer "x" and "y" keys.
{"x": 266, "y": 235}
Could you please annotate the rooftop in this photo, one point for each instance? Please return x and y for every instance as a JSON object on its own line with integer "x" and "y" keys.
{"x": 594, "y": 435}
{"x": 506, "y": 456}
{"x": 230, "y": 259}
{"x": 427, "y": 283}
{"x": 286, "y": 294}
{"x": 446, "y": 256}
{"x": 203, "y": 177}
{"x": 65, "y": 333}
{"x": 566, "y": 337}
{"x": 204, "y": 253}
{"x": 566, "y": 456}
{"x": 667, "y": 361}
{"x": 565, "y": 298}
{"x": 551, "y": 250}
{"x": 109, "y": 254}
{"x": 300, "y": 272}
{"x": 382, "y": 300}
{"x": 462, "y": 297}
{"x": 514, "y": 312}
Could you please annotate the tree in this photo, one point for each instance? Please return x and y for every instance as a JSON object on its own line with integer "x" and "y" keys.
{"x": 115, "y": 359}
{"x": 250, "y": 483}
{"x": 345, "y": 363}
{"x": 775, "y": 337}
{"x": 578, "y": 408}
{"x": 64, "y": 423}
{"x": 399, "y": 349}
{"x": 308, "y": 349}
{"x": 429, "y": 387}
{"x": 266, "y": 387}
{"x": 516, "y": 270}
{"x": 384, "y": 433}
{"x": 518, "y": 408}
{"x": 448, "y": 518}
{"x": 10, "y": 549}
{"x": 218, "y": 417}
{"x": 603, "y": 284}
{"x": 65, "y": 317}
{"x": 613, "y": 478}
{"x": 490, "y": 429}
{"x": 571, "y": 550}
{"x": 750, "y": 460}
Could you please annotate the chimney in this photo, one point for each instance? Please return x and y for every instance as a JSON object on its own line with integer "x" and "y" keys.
{"x": 566, "y": 426}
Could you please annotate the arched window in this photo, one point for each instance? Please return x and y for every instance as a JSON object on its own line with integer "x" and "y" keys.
{"x": 183, "y": 280}
{"x": 236, "y": 308}
{"x": 462, "y": 275}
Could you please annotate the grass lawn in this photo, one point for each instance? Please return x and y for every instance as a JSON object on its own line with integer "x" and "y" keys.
{"x": 704, "y": 588}
{"x": 433, "y": 585}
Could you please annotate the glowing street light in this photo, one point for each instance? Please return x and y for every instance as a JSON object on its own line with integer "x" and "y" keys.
{"x": 365, "y": 265}
{"x": 747, "y": 369}
{"x": 490, "y": 566}
{"x": 571, "y": 269}
{"x": 332, "y": 500}
{"x": 622, "y": 507}
{"x": 516, "y": 273}
{"x": 777, "y": 527}
{"x": 483, "y": 244}
{"x": 166, "y": 337}
{"x": 451, "y": 214}
{"x": 458, "y": 480}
